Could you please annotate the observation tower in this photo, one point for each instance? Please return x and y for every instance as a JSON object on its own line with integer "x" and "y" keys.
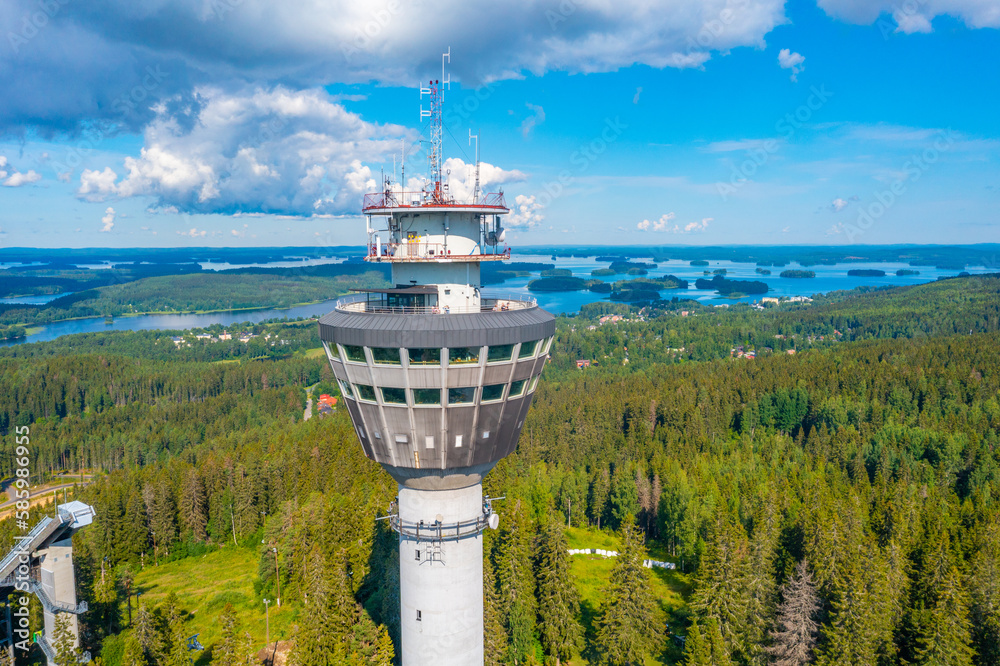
{"x": 437, "y": 379}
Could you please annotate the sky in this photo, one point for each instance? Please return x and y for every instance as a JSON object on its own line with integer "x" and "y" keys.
{"x": 172, "y": 123}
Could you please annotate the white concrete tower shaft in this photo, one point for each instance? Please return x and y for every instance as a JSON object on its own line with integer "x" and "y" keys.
{"x": 441, "y": 580}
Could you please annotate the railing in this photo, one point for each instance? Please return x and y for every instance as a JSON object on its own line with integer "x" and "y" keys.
{"x": 50, "y": 654}
{"x": 361, "y": 303}
{"x": 53, "y": 606}
{"x": 414, "y": 251}
{"x": 43, "y": 643}
{"x": 438, "y": 531}
{"x": 396, "y": 199}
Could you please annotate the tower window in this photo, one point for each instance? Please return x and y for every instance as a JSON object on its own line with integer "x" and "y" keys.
{"x": 493, "y": 392}
{"x": 386, "y": 356}
{"x": 419, "y": 618}
{"x": 499, "y": 353}
{"x": 365, "y": 392}
{"x": 424, "y": 356}
{"x": 355, "y": 353}
{"x": 427, "y": 396}
{"x": 417, "y": 558}
{"x": 462, "y": 396}
{"x": 394, "y": 396}
{"x": 516, "y": 388}
{"x": 463, "y": 355}
{"x": 528, "y": 349}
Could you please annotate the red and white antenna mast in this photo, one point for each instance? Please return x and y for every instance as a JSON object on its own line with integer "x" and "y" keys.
{"x": 435, "y": 90}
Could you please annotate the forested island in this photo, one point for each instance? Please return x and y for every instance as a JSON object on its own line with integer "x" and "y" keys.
{"x": 798, "y": 274}
{"x": 729, "y": 287}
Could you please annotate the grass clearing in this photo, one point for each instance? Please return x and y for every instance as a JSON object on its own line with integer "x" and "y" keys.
{"x": 205, "y": 584}
{"x": 592, "y": 574}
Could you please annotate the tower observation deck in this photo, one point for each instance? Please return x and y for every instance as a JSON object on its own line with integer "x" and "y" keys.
{"x": 437, "y": 379}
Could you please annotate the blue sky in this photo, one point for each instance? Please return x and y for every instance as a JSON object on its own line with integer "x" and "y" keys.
{"x": 243, "y": 122}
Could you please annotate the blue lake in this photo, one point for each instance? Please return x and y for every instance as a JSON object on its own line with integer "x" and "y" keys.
{"x": 828, "y": 278}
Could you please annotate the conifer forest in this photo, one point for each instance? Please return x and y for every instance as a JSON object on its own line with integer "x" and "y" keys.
{"x": 832, "y": 499}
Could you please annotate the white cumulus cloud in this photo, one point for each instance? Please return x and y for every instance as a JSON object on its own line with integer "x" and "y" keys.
{"x": 525, "y": 214}
{"x": 793, "y": 61}
{"x": 193, "y": 233}
{"x": 97, "y": 185}
{"x": 108, "y": 221}
{"x": 915, "y": 16}
{"x": 11, "y": 177}
{"x": 272, "y": 151}
{"x": 666, "y": 223}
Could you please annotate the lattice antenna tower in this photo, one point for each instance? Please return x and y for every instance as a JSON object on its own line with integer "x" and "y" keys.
{"x": 435, "y": 92}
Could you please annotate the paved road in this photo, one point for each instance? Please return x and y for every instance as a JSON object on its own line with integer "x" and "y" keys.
{"x": 45, "y": 491}
{"x": 309, "y": 402}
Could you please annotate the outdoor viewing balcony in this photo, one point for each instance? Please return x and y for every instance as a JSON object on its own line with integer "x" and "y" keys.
{"x": 408, "y": 252}
{"x": 384, "y": 304}
{"x": 375, "y": 202}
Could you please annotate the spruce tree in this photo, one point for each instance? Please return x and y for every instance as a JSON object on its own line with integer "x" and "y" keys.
{"x": 516, "y": 583}
{"x": 794, "y": 637}
{"x": 722, "y": 590}
{"x": 147, "y": 633}
{"x": 945, "y": 632}
{"x": 134, "y": 654}
{"x": 984, "y": 590}
{"x": 192, "y": 505}
{"x": 626, "y": 628}
{"x": 558, "y": 600}
{"x": 320, "y": 638}
{"x": 226, "y": 652}
{"x": 697, "y": 650}
{"x": 175, "y": 651}
{"x": 63, "y": 642}
{"x": 495, "y": 645}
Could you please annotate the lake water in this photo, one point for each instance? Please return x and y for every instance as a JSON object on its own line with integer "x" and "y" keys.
{"x": 828, "y": 278}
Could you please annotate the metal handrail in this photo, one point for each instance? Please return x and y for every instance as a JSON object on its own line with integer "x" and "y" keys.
{"x": 398, "y": 199}
{"x": 361, "y": 303}
{"x": 438, "y": 531}
{"x": 419, "y": 251}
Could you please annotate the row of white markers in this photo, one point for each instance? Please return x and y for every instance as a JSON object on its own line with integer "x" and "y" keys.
{"x": 649, "y": 564}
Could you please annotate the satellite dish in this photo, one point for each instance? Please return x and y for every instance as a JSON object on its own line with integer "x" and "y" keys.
{"x": 494, "y": 521}
{"x": 439, "y": 518}
{"x": 501, "y": 235}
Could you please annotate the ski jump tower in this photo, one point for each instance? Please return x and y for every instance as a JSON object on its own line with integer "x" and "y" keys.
{"x": 437, "y": 379}
{"x": 41, "y": 563}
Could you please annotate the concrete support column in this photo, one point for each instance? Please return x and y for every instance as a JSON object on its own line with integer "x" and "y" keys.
{"x": 441, "y": 583}
{"x": 59, "y": 584}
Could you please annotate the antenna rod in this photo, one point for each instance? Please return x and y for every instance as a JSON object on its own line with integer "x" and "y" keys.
{"x": 475, "y": 191}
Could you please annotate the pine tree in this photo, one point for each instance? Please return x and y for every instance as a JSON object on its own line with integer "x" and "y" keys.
{"x": 495, "y": 646}
{"x": 558, "y": 600}
{"x": 945, "y": 632}
{"x": 63, "y": 642}
{"x": 795, "y": 635}
{"x": 626, "y": 628}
